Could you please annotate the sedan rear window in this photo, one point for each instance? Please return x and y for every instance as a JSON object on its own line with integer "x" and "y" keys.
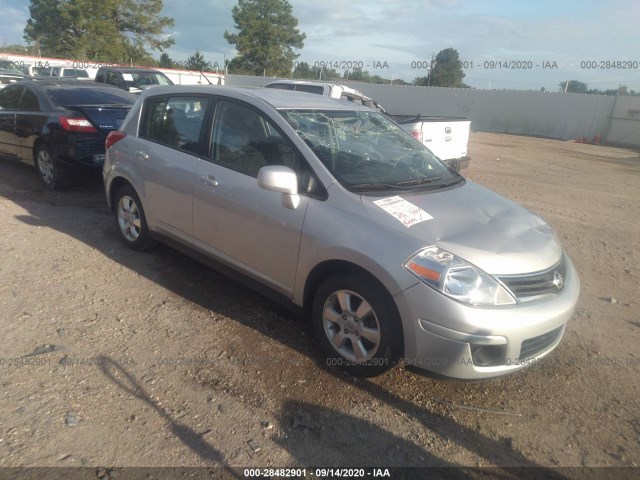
{"x": 89, "y": 96}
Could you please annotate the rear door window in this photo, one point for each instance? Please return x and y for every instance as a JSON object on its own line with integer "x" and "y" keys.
{"x": 178, "y": 122}
{"x": 29, "y": 101}
{"x": 113, "y": 79}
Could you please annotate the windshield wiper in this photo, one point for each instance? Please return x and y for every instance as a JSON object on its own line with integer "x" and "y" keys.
{"x": 417, "y": 181}
{"x": 402, "y": 185}
{"x": 457, "y": 179}
{"x": 372, "y": 186}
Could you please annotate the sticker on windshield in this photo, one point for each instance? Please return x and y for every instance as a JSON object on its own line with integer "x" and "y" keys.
{"x": 127, "y": 77}
{"x": 406, "y": 212}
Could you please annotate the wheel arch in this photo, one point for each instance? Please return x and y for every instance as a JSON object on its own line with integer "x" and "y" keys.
{"x": 36, "y": 145}
{"x": 328, "y": 268}
{"x": 115, "y": 185}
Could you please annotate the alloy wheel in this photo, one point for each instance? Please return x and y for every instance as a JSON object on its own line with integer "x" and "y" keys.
{"x": 351, "y": 326}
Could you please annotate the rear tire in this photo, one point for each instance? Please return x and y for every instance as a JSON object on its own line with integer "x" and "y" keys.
{"x": 357, "y": 325}
{"x": 130, "y": 220}
{"x": 53, "y": 173}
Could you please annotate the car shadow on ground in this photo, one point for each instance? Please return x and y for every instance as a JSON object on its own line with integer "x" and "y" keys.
{"x": 195, "y": 283}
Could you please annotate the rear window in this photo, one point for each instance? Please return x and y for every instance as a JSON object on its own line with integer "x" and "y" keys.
{"x": 77, "y": 95}
{"x": 318, "y": 90}
{"x": 142, "y": 79}
{"x": 75, "y": 72}
{"x": 281, "y": 86}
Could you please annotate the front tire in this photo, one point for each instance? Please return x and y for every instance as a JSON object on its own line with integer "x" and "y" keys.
{"x": 357, "y": 325}
{"x": 53, "y": 173}
{"x": 130, "y": 220}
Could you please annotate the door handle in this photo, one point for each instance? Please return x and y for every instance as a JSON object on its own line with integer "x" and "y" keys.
{"x": 209, "y": 180}
{"x": 142, "y": 155}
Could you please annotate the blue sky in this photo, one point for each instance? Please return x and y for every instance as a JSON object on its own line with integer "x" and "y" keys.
{"x": 490, "y": 34}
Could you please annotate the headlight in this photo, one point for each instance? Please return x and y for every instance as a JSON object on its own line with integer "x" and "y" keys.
{"x": 457, "y": 278}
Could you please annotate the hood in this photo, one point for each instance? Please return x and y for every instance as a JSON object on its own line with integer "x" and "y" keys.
{"x": 474, "y": 223}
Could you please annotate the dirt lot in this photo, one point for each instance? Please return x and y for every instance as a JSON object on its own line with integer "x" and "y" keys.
{"x": 150, "y": 359}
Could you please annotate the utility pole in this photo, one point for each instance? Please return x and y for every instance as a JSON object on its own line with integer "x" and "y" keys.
{"x": 433, "y": 55}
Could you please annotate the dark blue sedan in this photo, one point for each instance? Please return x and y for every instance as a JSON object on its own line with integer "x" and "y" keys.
{"x": 59, "y": 126}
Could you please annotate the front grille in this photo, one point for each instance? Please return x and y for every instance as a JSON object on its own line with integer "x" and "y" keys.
{"x": 540, "y": 283}
{"x": 533, "y": 346}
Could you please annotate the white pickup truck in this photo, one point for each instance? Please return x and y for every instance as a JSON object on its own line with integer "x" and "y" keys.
{"x": 446, "y": 137}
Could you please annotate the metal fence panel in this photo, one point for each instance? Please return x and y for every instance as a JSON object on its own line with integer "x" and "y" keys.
{"x": 547, "y": 114}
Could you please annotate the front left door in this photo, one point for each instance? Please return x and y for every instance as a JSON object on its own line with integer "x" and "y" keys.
{"x": 9, "y": 100}
{"x": 235, "y": 220}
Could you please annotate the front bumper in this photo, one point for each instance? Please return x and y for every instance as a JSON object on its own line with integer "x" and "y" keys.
{"x": 456, "y": 340}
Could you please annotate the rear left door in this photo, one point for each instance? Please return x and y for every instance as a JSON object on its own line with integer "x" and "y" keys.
{"x": 30, "y": 121}
{"x": 172, "y": 140}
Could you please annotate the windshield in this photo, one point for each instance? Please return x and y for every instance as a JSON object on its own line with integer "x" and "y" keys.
{"x": 365, "y": 151}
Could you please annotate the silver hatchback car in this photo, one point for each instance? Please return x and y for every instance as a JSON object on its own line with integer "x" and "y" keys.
{"x": 340, "y": 213}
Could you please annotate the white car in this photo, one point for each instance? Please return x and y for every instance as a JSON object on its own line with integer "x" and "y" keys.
{"x": 340, "y": 92}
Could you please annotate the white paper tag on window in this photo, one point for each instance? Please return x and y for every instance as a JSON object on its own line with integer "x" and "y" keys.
{"x": 127, "y": 77}
{"x": 408, "y": 213}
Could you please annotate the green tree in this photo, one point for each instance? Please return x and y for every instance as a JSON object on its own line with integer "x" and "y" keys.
{"x": 43, "y": 27}
{"x": 421, "y": 81}
{"x": 197, "y": 62}
{"x": 15, "y": 49}
{"x": 574, "y": 86}
{"x": 165, "y": 61}
{"x": 446, "y": 71}
{"x": 324, "y": 74}
{"x": 357, "y": 75}
{"x": 105, "y": 30}
{"x": 303, "y": 71}
{"x": 266, "y": 39}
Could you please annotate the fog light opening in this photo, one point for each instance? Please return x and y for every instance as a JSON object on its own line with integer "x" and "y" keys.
{"x": 488, "y": 355}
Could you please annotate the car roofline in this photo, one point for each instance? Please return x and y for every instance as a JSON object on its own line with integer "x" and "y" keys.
{"x": 277, "y": 99}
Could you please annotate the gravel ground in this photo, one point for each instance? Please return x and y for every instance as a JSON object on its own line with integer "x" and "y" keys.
{"x": 113, "y": 357}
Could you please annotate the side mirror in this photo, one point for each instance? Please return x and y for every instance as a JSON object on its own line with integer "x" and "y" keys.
{"x": 278, "y": 178}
